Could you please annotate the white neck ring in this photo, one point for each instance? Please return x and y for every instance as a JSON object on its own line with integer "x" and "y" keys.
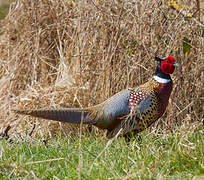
{"x": 161, "y": 80}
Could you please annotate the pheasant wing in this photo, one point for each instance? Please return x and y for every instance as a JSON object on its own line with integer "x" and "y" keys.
{"x": 140, "y": 102}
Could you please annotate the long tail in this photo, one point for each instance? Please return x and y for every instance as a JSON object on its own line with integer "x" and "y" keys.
{"x": 70, "y": 115}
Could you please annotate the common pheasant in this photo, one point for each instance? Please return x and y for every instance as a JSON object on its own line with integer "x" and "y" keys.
{"x": 130, "y": 110}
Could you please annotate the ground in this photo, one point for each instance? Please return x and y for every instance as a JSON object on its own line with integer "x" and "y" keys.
{"x": 157, "y": 156}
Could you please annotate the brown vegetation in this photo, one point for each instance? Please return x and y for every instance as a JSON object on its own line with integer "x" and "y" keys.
{"x": 78, "y": 53}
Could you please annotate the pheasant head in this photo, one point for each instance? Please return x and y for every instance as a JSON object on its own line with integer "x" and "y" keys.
{"x": 165, "y": 67}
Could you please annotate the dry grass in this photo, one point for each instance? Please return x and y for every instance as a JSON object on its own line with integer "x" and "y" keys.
{"x": 78, "y": 53}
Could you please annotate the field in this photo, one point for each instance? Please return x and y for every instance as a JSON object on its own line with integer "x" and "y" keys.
{"x": 78, "y": 53}
{"x": 178, "y": 156}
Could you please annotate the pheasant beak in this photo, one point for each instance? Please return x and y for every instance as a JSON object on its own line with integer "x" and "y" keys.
{"x": 175, "y": 64}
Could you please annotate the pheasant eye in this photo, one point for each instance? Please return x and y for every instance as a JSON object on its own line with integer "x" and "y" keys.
{"x": 166, "y": 61}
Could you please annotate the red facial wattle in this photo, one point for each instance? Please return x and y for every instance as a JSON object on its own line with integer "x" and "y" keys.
{"x": 167, "y": 65}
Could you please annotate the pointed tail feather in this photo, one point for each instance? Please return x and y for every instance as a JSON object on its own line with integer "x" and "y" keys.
{"x": 70, "y": 115}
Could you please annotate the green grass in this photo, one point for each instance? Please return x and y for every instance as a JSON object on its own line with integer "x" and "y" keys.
{"x": 178, "y": 156}
{"x": 4, "y": 8}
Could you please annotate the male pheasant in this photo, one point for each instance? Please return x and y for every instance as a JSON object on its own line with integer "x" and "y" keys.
{"x": 130, "y": 110}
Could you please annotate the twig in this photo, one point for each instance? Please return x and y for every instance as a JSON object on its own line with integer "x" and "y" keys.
{"x": 49, "y": 160}
{"x": 80, "y": 153}
{"x": 31, "y": 132}
{"x": 184, "y": 108}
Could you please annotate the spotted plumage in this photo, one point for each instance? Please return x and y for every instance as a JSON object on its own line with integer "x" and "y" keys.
{"x": 131, "y": 110}
{"x": 144, "y": 106}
